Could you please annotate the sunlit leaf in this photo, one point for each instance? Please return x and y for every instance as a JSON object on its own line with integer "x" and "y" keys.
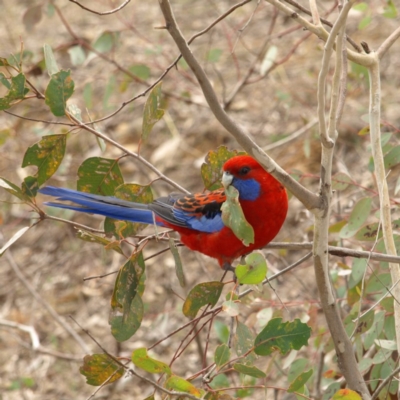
{"x": 231, "y": 307}
{"x": 12, "y": 189}
{"x": 254, "y": 271}
{"x": 50, "y": 60}
{"x": 179, "y": 384}
{"x": 142, "y": 360}
{"x": 357, "y": 218}
{"x": 13, "y": 239}
{"x": 222, "y": 354}
{"x": 268, "y": 60}
{"x": 58, "y": 91}
{"x": 346, "y": 394}
{"x": 282, "y": 336}
{"x": 211, "y": 170}
{"x": 152, "y": 112}
{"x": 233, "y": 217}
{"x": 201, "y": 295}
{"x": 99, "y": 175}
{"x": 99, "y": 368}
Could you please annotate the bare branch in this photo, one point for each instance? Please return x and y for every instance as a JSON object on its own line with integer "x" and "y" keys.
{"x": 104, "y": 12}
{"x": 309, "y": 199}
{"x": 385, "y": 46}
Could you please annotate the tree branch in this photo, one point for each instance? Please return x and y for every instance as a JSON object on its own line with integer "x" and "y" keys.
{"x": 309, "y": 199}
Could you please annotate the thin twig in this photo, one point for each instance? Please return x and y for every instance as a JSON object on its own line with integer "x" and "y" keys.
{"x": 104, "y": 12}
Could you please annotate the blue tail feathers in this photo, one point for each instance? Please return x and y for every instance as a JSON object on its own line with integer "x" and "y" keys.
{"x": 103, "y": 205}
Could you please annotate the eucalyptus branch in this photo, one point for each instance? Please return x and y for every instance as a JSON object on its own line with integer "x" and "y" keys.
{"x": 359, "y": 58}
{"x": 384, "y": 199}
{"x": 309, "y": 199}
{"x": 343, "y": 345}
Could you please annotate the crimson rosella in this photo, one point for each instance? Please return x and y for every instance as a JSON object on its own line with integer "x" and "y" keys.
{"x": 197, "y": 217}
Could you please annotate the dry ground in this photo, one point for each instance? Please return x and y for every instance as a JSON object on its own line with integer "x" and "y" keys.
{"x": 54, "y": 262}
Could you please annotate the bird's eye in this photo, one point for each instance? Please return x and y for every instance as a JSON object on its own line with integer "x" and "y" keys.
{"x": 244, "y": 170}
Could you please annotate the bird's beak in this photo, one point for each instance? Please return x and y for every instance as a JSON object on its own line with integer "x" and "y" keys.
{"x": 227, "y": 179}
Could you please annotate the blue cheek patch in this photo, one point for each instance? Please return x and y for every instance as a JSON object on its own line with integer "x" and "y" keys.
{"x": 249, "y": 189}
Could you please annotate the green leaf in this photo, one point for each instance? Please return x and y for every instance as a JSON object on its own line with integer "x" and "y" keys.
{"x": 296, "y": 368}
{"x": 357, "y": 218}
{"x": 141, "y": 71}
{"x": 231, "y": 307}
{"x": 58, "y": 91}
{"x": 106, "y": 41}
{"x": 50, "y": 60}
{"x": 142, "y": 360}
{"x": 12, "y": 189}
{"x": 222, "y": 331}
{"x": 99, "y": 175}
{"x": 368, "y": 232}
{"x": 152, "y": 112}
{"x": 214, "y": 55}
{"x": 365, "y": 22}
{"x": 17, "y": 91}
{"x": 341, "y": 181}
{"x": 178, "y": 262}
{"x": 361, "y": 7}
{"x": 249, "y": 370}
{"x": 77, "y": 55}
{"x": 126, "y": 304}
{"x": 281, "y": 336}
{"x": 5, "y": 81}
{"x": 300, "y": 381}
{"x": 243, "y": 342}
{"x": 110, "y": 89}
{"x": 390, "y": 11}
{"x": 200, "y": 295}
{"x": 99, "y": 367}
{"x": 211, "y": 170}
{"x": 233, "y": 217}
{"x": 254, "y": 271}
{"x": 346, "y": 394}
{"x": 179, "y": 384}
{"x": 357, "y": 271}
{"x": 222, "y": 354}
{"x": 47, "y": 155}
{"x": 392, "y": 158}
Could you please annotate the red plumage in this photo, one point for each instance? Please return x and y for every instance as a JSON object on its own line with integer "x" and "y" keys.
{"x": 266, "y": 214}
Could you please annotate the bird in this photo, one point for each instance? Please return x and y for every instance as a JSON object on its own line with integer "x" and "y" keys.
{"x": 197, "y": 217}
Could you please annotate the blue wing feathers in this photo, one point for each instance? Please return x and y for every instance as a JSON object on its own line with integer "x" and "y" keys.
{"x": 113, "y": 207}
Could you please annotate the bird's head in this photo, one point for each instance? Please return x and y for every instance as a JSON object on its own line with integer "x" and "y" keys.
{"x": 246, "y": 175}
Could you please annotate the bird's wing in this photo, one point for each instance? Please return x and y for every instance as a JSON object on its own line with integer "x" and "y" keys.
{"x": 201, "y": 212}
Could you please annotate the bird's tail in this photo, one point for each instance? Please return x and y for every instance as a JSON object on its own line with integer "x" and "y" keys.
{"x": 103, "y": 205}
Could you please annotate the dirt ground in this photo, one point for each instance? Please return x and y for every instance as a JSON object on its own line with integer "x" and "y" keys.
{"x": 42, "y": 282}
